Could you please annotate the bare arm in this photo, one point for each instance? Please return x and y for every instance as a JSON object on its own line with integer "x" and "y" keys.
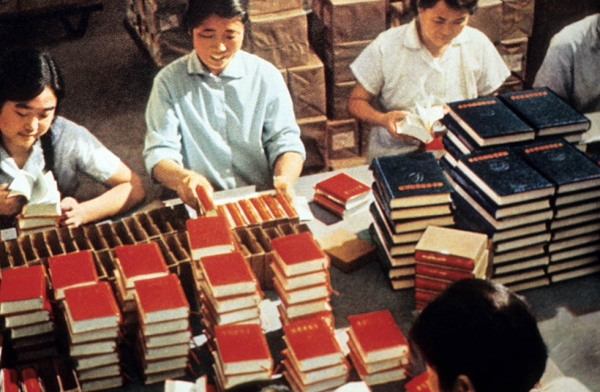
{"x": 288, "y": 167}
{"x": 184, "y": 181}
{"x": 125, "y": 191}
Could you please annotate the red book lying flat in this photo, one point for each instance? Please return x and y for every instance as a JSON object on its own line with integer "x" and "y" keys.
{"x": 242, "y": 348}
{"x": 299, "y": 254}
{"x": 419, "y": 383}
{"x": 377, "y": 336}
{"x": 228, "y": 274}
{"x": 23, "y": 289}
{"x": 209, "y": 235}
{"x": 10, "y": 380}
{"x": 140, "y": 261}
{"x": 343, "y": 189}
{"x": 91, "y": 307}
{"x": 161, "y": 299}
{"x": 71, "y": 269}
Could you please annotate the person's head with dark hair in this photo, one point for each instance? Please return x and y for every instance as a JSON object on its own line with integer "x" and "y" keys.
{"x": 440, "y": 21}
{"x": 217, "y": 28}
{"x": 260, "y": 386}
{"x": 478, "y": 336}
{"x": 31, "y": 89}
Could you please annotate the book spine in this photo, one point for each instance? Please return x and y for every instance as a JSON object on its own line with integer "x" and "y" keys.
{"x": 273, "y": 206}
{"x": 430, "y": 284}
{"x": 329, "y": 204}
{"x": 205, "y": 201}
{"x": 444, "y": 260}
{"x": 441, "y": 273}
{"x": 249, "y": 211}
{"x": 424, "y": 295}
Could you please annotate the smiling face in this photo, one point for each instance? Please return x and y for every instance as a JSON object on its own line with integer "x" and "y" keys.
{"x": 439, "y": 25}
{"x": 216, "y": 41}
{"x": 22, "y": 123}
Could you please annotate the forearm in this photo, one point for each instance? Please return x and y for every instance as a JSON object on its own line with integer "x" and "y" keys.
{"x": 114, "y": 201}
{"x": 170, "y": 174}
{"x": 362, "y": 110}
{"x": 288, "y": 165}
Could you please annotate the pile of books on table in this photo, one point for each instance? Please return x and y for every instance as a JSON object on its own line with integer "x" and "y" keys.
{"x": 445, "y": 255}
{"x": 378, "y": 349}
{"x": 411, "y": 193}
{"x": 342, "y": 195}
{"x": 313, "y": 359}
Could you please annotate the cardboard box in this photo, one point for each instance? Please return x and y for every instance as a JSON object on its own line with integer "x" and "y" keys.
{"x": 307, "y": 88}
{"x": 337, "y": 59}
{"x": 337, "y": 99}
{"x": 261, "y": 7}
{"x": 514, "y": 54}
{"x": 488, "y": 19}
{"x": 314, "y": 136}
{"x": 352, "y": 20}
{"x": 343, "y": 139}
{"x": 517, "y": 18}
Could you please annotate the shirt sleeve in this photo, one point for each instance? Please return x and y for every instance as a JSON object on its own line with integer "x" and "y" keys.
{"x": 556, "y": 70}
{"x": 494, "y": 71}
{"x": 367, "y": 68}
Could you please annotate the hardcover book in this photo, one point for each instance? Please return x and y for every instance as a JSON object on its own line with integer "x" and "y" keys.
{"x": 339, "y": 209}
{"x": 343, "y": 189}
{"x": 171, "y": 304}
{"x": 545, "y": 111}
{"x": 502, "y": 175}
{"x": 451, "y": 247}
{"x": 304, "y": 294}
{"x": 140, "y": 261}
{"x": 91, "y": 307}
{"x": 409, "y": 180}
{"x": 489, "y": 121}
{"x": 299, "y": 253}
{"x": 209, "y": 235}
{"x": 242, "y": 348}
{"x": 563, "y": 164}
{"x": 346, "y": 250}
{"x": 71, "y": 269}
{"x": 228, "y": 274}
{"x": 206, "y": 205}
{"x": 23, "y": 289}
{"x": 406, "y": 213}
{"x": 419, "y": 383}
{"x": 377, "y": 336}
{"x": 302, "y": 280}
{"x": 376, "y": 378}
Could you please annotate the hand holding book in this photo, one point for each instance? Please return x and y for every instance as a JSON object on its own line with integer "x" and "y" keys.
{"x": 422, "y": 125}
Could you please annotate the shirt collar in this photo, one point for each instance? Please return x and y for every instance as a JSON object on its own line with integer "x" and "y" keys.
{"x": 234, "y": 70}
{"x": 413, "y": 41}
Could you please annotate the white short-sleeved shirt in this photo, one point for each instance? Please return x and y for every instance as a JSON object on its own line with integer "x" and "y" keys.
{"x": 401, "y": 72}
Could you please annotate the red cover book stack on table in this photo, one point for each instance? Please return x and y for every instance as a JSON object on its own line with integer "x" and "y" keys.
{"x": 93, "y": 318}
{"x": 241, "y": 354}
{"x": 313, "y": 359}
{"x": 26, "y": 311}
{"x": 230, "y": 292}
{"x": 378, "y": 349}
{"x": 301, "y": 276}
{"x": 163, "y": 338}
{"x": 342, "y": 195}
{"x": 209, "y": 235}
{"x": 71, "y": 269}
{"x": 445, "y": 255}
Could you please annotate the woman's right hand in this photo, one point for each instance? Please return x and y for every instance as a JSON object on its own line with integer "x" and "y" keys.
{"x": 187, "y": 189}
{"x": 390, "y": 122}
{"x": 10, "y": 205}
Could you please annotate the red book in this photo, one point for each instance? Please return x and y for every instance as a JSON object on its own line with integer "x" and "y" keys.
{"x": 242, "y": 348}
{"x": 377, "y": 336}
{"x": 71, "y": 269}
{"x": 274, "y": 206}
{"x": 205, "y": 202}
{"x": 29, "y": 380}
{"x": 299, "y": 253}
{"x": 419, "y": 383}
{"x": 23, "y": 289}
{"x": 10, "y": 380}
{"x": 140, "y": 261}
{"x": 422, "y": 282}
{"x": 236, "y": 214}
{"x": 445, "y": 274}
{"x": 170, "y": 304}
{"x": 287, "y": 206}
{"x": 450, "y": 247}
{"x": 209, "y": 235}
{"x": 263, "y": 211}
{"x": 249, "y": 211}
{"x": 343, "y": 189}
{"x": 424, "y": 296}
{"x": 312, "y": 344}
{"x": 91, "y": 307}
{"x": 228, "y": 274}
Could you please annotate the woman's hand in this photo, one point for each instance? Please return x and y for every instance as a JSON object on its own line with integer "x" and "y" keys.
{"x": 73, "y": 213}
{"x": 10, "y": 205}
{"x": 187, "y": 189}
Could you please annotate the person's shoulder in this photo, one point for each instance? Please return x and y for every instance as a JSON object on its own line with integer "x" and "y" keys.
{"x": 256, "y": 65}
{"x": 62, "y": 125}
{"x": 176, "y": 67}
{"x": 471, "y": 34}
{"x": 577, "y": 31}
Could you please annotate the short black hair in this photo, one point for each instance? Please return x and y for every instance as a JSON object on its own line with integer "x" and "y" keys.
{"x": 482, "y": 330}
{"x": 198, "y": 10}
{"x": 467, "y": 5}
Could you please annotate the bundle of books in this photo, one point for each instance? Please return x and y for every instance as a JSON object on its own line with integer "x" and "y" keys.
{"x": 135, "y": 262}
{"x": 241, "y": 354}
{"x": 313, "y": 359}
{"x": 27, "y": 314}
{"x": 378, "y": 349}
{"x": 93, "y": 320}
{"x": 445, "y": 255}
{"x": 411, "y": 193}
{"x": 501, "y": 195}
{"x": 164, "y": 333}
{"x": 301, "y": 277}
{"x": 209, "y": 235}
{"x": 342, "y": 195}
{"x": 229, "y": 291}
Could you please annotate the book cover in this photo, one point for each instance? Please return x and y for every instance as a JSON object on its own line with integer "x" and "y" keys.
{"x": 445, "y": 274}
{"x": 22, "y": 289}
{"x": 489, "y": 121}
{"x": 206, "y": 205}
{"x": 339, "y": 209}
{"x": 346, "y": 250}
{"x": 545, "y": 111}
{"x": 312, "y": 344}
{"x": 10, "y": 380}
{"x": 303, "y": 294}
{"x": 409, "y": 180}
{"x": 406, "y": 213}
{"x": 261, "y": 208}
{"x": 287, "y": 206}
{"x": 242, "y": 348}
{"x": 91, "y": 307}
{"x": 562, "y": 163}
{"x": 340, "y": 369}
{"x": 249, "y": 212}
{"x": 343, "y": 189}
{"x": 228, "y": 274}
{"x": 299, "y": 253}
{"x": 169, "y": 305}
{"x": 209, "y": 235}
{"x": 274, "y": 207}
{"x": 236, "y": 214}
{"x": 450, "y": 247}
{"x": 140, "y": 261}
{"x": 71, "y": 269}
{"x": 382, "y": 221}
{"x": 377, "y": 336}
{"x": 504, "y": 176}
{"x": 419, "y": 383}
{"x": 376, "y": 378}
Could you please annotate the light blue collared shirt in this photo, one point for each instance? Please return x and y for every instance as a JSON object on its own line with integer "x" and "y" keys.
{"x": 230, "y": 128}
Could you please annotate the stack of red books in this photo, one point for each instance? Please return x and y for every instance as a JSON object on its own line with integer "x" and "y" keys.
{"x": 26, "y": 312}
{"x": 71, "y": 269}
{"x": 164, "y": 335}
{"x": 378, "y": 349}
{"x": 313, "y": 359}
{"x": 445, "y": 255}
{"x": 301, "y": 276}
{"x": 241, "y": 355}
{"x": 230, "y": 293}
{"x": 93, "y": 319}
{"x": 135, "y": 262}
{"x": 209, "y": 235}
{"x": 342, "y": 195}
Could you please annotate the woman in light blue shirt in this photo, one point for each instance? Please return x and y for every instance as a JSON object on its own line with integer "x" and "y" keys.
{"x": 220, "y": 117}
